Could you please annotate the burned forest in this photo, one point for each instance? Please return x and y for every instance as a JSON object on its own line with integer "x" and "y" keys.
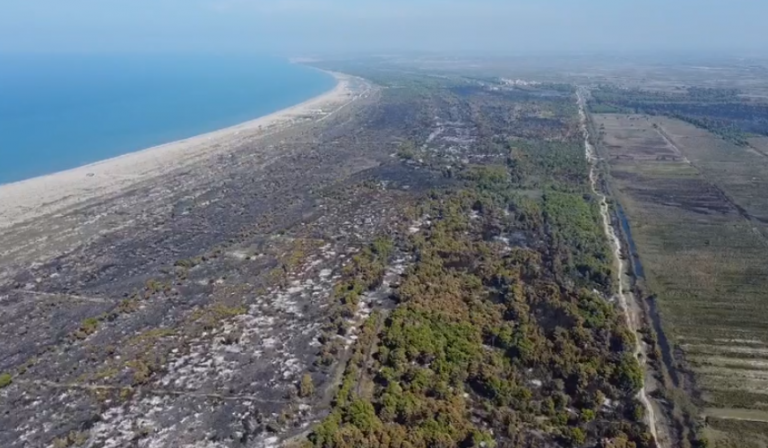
{"x": 425, "y": 267}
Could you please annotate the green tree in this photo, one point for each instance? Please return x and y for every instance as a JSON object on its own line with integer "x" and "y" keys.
{"x": 362, "y": 415}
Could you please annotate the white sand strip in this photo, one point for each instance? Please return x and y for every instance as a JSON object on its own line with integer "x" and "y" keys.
{"x": 29, "y": 199}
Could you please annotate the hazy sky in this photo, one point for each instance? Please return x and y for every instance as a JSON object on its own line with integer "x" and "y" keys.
{"x": 297, "y": 27}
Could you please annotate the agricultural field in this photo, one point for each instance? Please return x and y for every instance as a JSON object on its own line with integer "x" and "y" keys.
{"x": 698, "y": 214}
{"x": 725, "y": 112}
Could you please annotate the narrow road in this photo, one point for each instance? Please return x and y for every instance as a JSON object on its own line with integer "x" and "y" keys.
{"x": 72, "y": 297}
{"x": 149, "y": 391}
{"x": 612, "y": 235}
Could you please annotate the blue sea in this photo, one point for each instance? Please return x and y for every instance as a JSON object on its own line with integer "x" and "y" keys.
{"x": 62, "y": 111}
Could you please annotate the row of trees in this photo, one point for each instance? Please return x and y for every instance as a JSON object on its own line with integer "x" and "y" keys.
{"x": 720, "y": 111}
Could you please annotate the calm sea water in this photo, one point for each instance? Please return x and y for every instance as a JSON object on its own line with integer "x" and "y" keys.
{"x": 60, "y": 112}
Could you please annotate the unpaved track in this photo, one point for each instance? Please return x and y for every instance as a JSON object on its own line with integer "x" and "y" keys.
{"x": 610, "y": 232}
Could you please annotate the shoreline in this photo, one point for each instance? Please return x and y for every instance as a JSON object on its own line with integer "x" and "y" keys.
{"x": 28, "y": 199}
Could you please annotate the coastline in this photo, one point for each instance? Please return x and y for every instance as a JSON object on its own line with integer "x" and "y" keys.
{"x": 31, "y": 198}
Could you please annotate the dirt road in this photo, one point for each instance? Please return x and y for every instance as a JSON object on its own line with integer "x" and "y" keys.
{"x": 610, "y": 232}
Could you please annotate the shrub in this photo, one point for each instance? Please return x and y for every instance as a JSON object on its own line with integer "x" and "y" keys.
{"x": 87, "y": 328}
{"x": 575, "y": 436}
{"x": 5, "y": 380}
{"x": 629, "y": 374}
{"x": 307, "y": 386}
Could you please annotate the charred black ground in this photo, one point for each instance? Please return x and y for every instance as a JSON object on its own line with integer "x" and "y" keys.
{"x": 425, "y": 268}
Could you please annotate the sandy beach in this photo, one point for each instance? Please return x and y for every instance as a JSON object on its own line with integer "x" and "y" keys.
{"x": 32, "y": 198}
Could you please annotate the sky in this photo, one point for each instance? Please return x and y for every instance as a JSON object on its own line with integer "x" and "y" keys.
{"x": 307, "y": 27}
